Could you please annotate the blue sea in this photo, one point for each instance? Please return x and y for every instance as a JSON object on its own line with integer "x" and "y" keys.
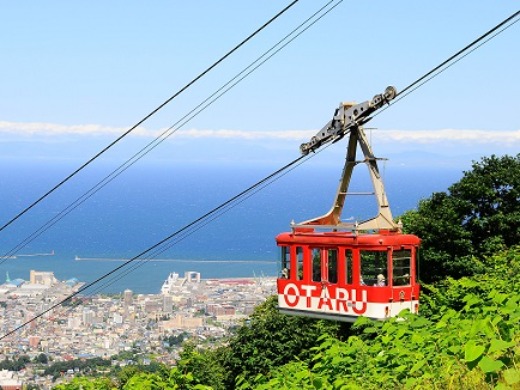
{"x": 150, "y": 201}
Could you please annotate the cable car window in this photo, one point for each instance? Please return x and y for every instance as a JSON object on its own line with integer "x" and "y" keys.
{"x": 298, "y": 274}
{"x": 401, "y": 267}
{"x": 373, "y": 268}
{"x": 348, "y": 268}
{"x": 316, "y": 264}
{"x": 332, "y": 265}
{"x": 285, "y": 265}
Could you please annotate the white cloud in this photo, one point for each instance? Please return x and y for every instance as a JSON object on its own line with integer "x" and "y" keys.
{"x": 502, "y": 137}
{"x": 53, "y": 129}
{"x": 248, "y": 135}
{"x": 38, "y": 129}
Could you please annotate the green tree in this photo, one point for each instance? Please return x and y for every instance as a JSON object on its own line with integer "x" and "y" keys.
{"x": 41, "y": 358}
{"x": 87, "y": 383}
{"x": 269, "y": 339}
{"x": 490, "y": 203}
{"x": 15, "y": 365}
{"x": 206, "y": 366}
{"x": 478, "y": 216}
{"x": 176, "y": 339}
{"x": 126, "y": 373}
{"x": 148, "y": 381}
{"x": 446, "y": 248}
{"x": 90, "y": 365}
{"x": 172, "y": 380}
{"x": 503, "y": 274}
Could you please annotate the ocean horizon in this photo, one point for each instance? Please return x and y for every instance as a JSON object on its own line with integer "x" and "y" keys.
{"x": 148, "y": 203}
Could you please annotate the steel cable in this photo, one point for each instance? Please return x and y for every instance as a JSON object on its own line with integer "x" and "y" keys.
{"x": 455, "y": 58}
{"x": 152, "y": 248}
{"x": 259, "y": 61}
{"x": 193, "y": 81}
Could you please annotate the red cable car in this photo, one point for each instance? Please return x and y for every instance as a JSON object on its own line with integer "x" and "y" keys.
{"x": 340, "y": 271}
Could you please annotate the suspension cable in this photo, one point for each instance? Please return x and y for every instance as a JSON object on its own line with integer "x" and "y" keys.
{"x": 465, "y": 49}
{"x": 253, "y": 66}
{"x": 141, "y": 259}
{"x": 74, "y": 173}
{"x": 182, "y": 230}
{"x": 245, "y": 195}
{"x": 455, "y": 58}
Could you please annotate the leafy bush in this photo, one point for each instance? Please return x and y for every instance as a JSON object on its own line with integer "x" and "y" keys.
{"x": 475, "y": 346}
{"x": 270, "y": 339}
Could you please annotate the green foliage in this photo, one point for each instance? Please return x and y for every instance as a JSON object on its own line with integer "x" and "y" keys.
{"x": 15, "y": 364}
{"x": 490, "y": 196}
{"x": 503, "y": 272}
{"x": 453, "y": 352}
{"x": 84, "y": 383}
{"x": 41, "y": 358}
{"x": 270, "y": 339}
{"x": 90, "y": 365}
{"x": 149, "y": 381}
{"x": 172, "y": 380}
{"x": 206, "y": 364}
{"x": 477, "y": 217}
{"x": 176, "y": 340}
{"x": 126, "y": 373}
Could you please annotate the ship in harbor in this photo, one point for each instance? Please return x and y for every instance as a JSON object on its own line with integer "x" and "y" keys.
{"x": 169, "y": 283}
{"x": 51, "y": 253}
{"x": 174, "y": 281}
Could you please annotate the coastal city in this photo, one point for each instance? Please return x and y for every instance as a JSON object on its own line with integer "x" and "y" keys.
{"x": 104, "y": 326}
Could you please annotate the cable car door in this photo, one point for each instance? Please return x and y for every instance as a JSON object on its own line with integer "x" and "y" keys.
{"x": 402, "y": 290}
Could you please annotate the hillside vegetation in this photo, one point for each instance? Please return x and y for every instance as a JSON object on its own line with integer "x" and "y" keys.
{"x": 466, "y": 336}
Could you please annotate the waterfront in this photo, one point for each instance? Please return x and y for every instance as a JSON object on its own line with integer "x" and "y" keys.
{"x": 142, "y": 276}
{"x": 106, "y": 325}
{"x": 240, "y": 243}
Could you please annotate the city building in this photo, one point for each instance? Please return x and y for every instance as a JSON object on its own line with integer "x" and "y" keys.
{"x": 128, "y": 297}
{"x": 42, "y": 277}
{"x": 8, "y": 381}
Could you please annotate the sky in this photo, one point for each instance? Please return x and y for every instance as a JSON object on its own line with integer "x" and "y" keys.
{"x": 76, "y": 75}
